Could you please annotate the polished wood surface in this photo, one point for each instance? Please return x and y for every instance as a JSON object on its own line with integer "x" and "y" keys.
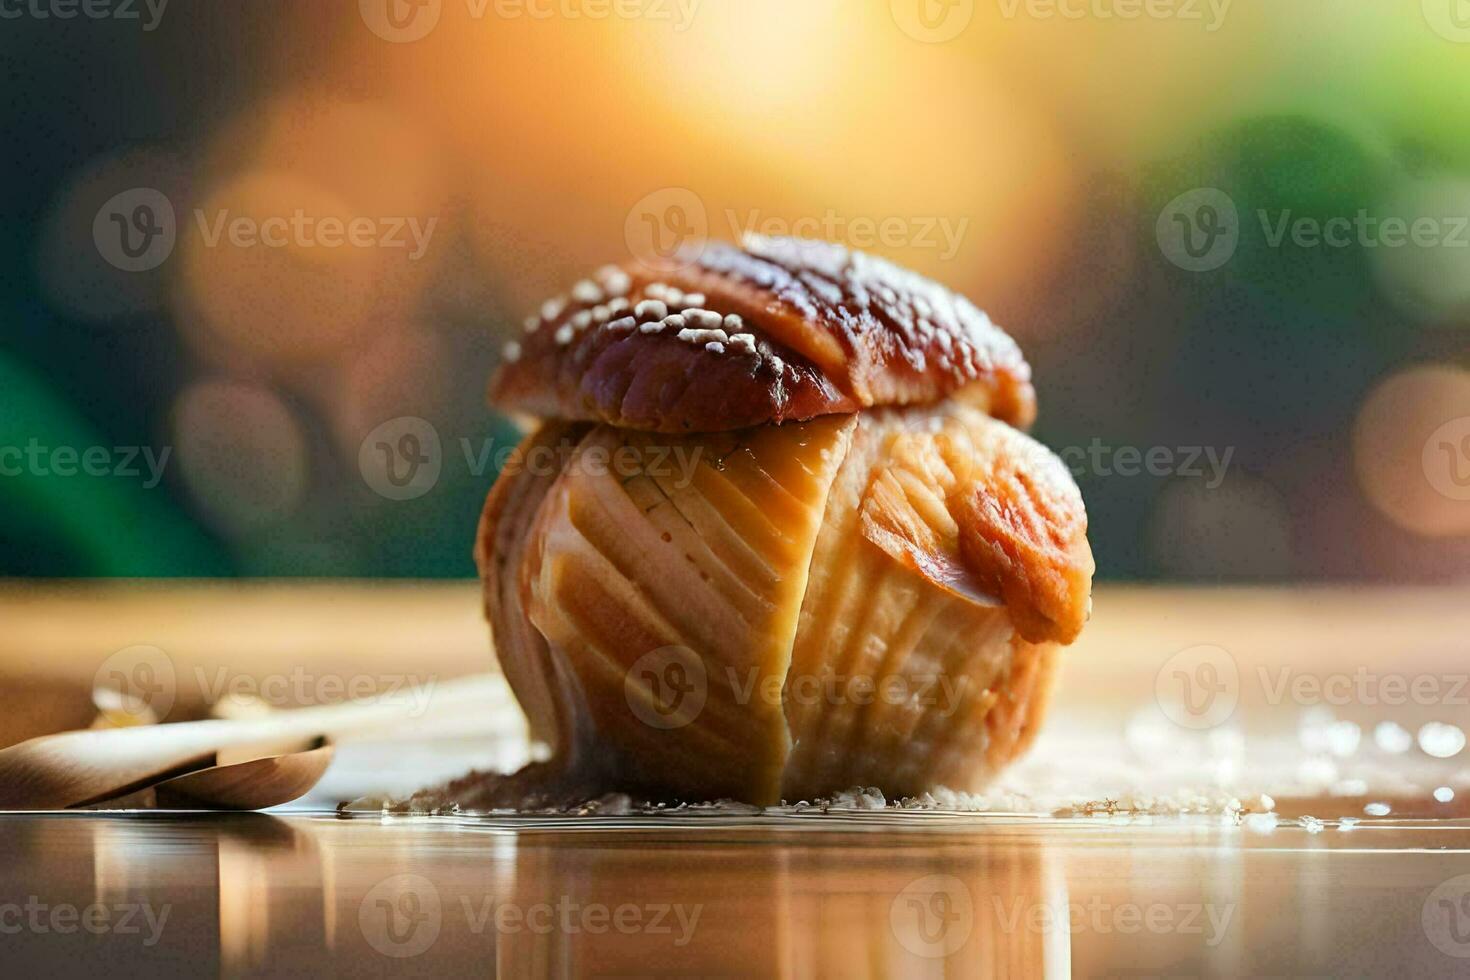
{"x": 743, "y": 893}
{"x": 263, "y": 895}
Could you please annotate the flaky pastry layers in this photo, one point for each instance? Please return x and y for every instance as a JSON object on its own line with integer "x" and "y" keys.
{"x": 863, "y": 580}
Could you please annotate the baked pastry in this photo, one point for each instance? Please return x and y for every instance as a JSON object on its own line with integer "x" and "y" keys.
{"x": 778, "y": 532}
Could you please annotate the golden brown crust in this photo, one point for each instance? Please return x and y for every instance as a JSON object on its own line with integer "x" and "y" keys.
{"x": 500, "y": 554}
{"x": 650, "y": 557}
{"x": 894, "y": 547}
{"x": 783, "y": 330}
{"x": 986, "y": 512}
{"x": 1023, "y": 532}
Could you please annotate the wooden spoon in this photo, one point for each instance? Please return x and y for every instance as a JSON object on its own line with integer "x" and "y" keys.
{"x": 252, "y": 785}
{"x": 237, "y": 780}
{"x": 85, "y": 767}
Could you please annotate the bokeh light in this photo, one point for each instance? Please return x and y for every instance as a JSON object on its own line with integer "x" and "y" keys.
{"x": 242, "y": 454}
{"x": 1411, "y": 450}
{"x": 289, "y": 302}
{"x": 377, "y": 159}
{"x": 1427, "y": 275}
{"x": 402, "y": 372}
{"x": 1196, "y": 530}
{"x": 73, "y": 270}
{"x": 1021, "y": 158}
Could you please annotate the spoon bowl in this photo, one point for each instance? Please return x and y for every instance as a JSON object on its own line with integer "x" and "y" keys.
{"x": 252, "y": 785}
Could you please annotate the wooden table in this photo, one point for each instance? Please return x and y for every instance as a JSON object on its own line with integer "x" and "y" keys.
{"x": 862, "y": 894}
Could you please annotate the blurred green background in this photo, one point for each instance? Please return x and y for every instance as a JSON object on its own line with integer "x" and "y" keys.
{"x": 1184, "y": 212}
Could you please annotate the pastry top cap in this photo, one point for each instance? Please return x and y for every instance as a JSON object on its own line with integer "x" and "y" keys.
{"x": 773, "y": 330}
